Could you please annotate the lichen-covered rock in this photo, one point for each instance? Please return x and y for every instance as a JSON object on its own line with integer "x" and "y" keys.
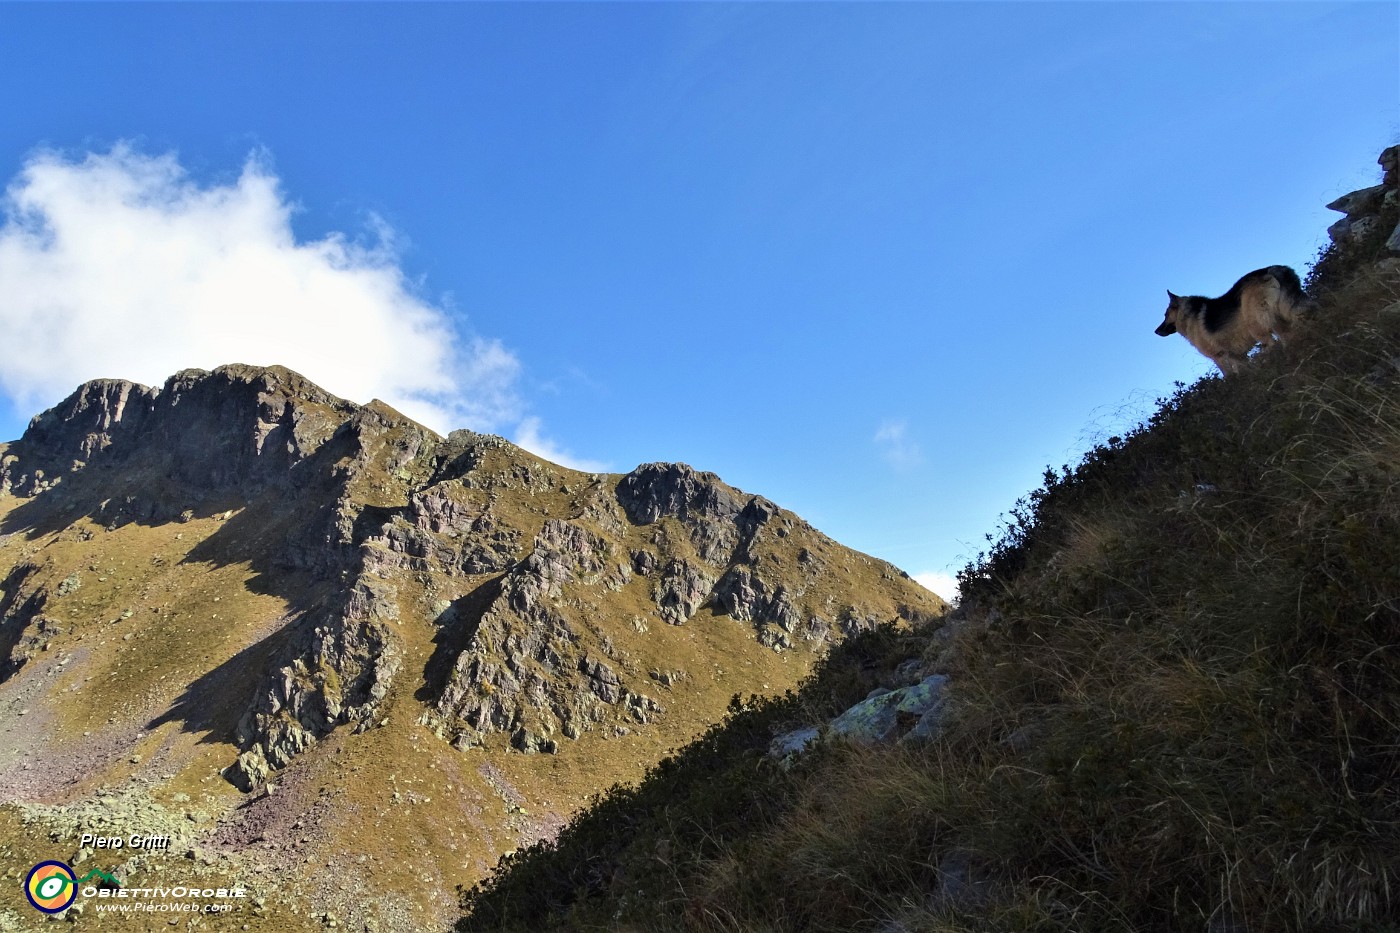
{"x": 909, "y": 714}
{"x": 793, "y": 743}
{"x": 914, "y": 710}
{"x": 530, "y": 743}
{"x": 249, "y": 771}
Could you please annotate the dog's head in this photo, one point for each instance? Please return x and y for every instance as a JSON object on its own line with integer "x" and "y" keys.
{"x": 1175, "y": 304}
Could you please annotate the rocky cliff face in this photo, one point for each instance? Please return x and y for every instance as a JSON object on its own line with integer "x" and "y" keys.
{"x": 1371, "y": 212}
{"x": 456, "y": 597}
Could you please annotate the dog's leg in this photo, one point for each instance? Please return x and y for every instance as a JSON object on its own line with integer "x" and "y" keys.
{"x": 1228, "y": 363}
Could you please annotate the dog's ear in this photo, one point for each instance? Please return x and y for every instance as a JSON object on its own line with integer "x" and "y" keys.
{"x": 1170, "y": 297}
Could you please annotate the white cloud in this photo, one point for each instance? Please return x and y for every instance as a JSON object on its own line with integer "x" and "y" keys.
{"x": 121, "y": 265}
{"x": 944, "y": 584}
{"x": 528, "y": 435}
{"x": 899, "y": 450}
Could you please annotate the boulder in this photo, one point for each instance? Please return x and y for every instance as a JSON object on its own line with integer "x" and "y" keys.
{"x": 910, "y": 712}
{"x": 794, "y": 743}
{"x": 249, "y": 770}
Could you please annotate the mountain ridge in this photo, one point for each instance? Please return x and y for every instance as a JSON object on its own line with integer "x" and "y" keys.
{"x": 257, "y": 596}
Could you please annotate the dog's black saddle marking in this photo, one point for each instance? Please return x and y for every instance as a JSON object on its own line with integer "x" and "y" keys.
{"x": 1217, "y": 313}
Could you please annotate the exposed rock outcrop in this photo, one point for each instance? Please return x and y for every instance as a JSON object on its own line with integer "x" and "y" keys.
{"x": 1370, "y": 209}
{"x": 698, "y": 500}
{"x": 63, "y": 439}
{"x": 682, "y": 589}
{"x": 339, "y": 665}
{"x": 237, "y": 427}
{"x": 23, "y": 629}
{"x": 532, "y": 668}
{"x": 673, "y": 490}
{"x": 910, "y": 714}
{"x": 525, "y": 669}
{"x": 337, "y": 671}
{"x": 748, "y": 598}
{"x": 914, "y": 713}
{"x": 443, "y": 527}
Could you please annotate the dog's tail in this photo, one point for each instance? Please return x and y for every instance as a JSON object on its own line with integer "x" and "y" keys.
{"x": 1289, "y": 298}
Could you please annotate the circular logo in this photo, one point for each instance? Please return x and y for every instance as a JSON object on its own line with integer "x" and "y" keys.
{"x": 50, "y": 887}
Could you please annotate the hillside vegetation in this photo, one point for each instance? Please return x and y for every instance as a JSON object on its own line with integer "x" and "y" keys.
{"x": 1173, "y": 699}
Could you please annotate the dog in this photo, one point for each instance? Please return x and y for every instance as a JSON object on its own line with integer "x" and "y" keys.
{"x": 1260, "y": 308}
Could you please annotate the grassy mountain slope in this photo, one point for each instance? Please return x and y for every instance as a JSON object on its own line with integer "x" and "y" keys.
{"x": 346, "y": 663}
{"x": 1174, "y": 699}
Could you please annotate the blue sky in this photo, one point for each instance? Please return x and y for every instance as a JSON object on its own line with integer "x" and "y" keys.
{"x": 881, "y": 263}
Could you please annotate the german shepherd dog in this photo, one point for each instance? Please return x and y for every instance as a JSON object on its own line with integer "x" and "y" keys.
{"x": 1259, "y": 308}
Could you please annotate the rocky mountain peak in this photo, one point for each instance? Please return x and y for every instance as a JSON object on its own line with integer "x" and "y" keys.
{"x": 306, "y": 576}
{"x": 654, "y": 490}
{"x": 226, "y": 429}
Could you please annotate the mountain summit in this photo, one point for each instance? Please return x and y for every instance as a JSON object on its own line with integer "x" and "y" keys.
{"x": 285, "y": 629}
